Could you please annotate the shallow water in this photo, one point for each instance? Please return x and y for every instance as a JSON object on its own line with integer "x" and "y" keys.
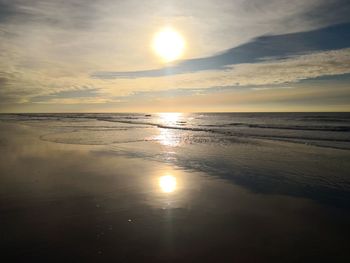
{"x": 171, "y": 187}
{"x": 319, "y": 129}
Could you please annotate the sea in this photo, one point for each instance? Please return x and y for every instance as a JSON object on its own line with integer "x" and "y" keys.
{"x": 318, "y": 129}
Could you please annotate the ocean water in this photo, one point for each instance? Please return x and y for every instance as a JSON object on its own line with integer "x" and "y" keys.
{"x": 318, "y": 129}
{"x": 196, "y": 187}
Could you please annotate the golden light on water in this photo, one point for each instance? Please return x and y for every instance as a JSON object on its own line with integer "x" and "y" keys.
{"x": 168, "y": 44}
{"x": 167, "y": 183}
{"x": 170, "y": 117}
{"x": 168, "y": 137}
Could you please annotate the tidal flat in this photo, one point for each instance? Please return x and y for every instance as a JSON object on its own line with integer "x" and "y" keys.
{"x": 83, "y": 189}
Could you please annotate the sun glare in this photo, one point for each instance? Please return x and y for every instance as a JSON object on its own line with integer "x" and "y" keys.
{"x": 169, "y": 117}
{"x": 168, "y": 44}
{"x": 167, "y": 183}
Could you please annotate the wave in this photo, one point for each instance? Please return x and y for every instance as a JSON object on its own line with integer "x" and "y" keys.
{"x": 316, "y": 140}
{"x": 334, "y": 136}
{"x": 283, "y": 127}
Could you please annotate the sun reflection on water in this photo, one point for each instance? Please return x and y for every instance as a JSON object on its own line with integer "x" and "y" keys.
{"x": 170, "y": 118}
{"x": 168, "y": 137}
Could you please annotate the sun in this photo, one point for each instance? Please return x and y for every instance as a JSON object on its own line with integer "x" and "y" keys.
{"x": 168, "y": 44}
{"x": 167, "y": 183}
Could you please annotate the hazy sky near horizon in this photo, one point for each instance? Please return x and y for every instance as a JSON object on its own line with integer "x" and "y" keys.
{"x": 240, "y": 55}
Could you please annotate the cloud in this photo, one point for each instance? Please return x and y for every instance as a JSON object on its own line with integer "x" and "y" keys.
{"x": 282, "y": 71}
{"x": 81, "y": 93}
{"x": 261, "y": 48}
{"x": 75, "y": 101}
{"x": 289, "y": 70}
{"x": 265, "y": 74}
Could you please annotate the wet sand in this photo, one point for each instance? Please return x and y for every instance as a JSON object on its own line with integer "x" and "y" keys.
{"x": 61, "y": 202}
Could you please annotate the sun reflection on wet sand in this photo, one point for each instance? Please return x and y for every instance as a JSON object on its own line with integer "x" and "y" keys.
{"x": 167, "y": 183}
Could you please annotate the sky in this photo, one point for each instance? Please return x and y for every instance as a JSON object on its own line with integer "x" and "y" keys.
{"x": 240, "y": 55}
